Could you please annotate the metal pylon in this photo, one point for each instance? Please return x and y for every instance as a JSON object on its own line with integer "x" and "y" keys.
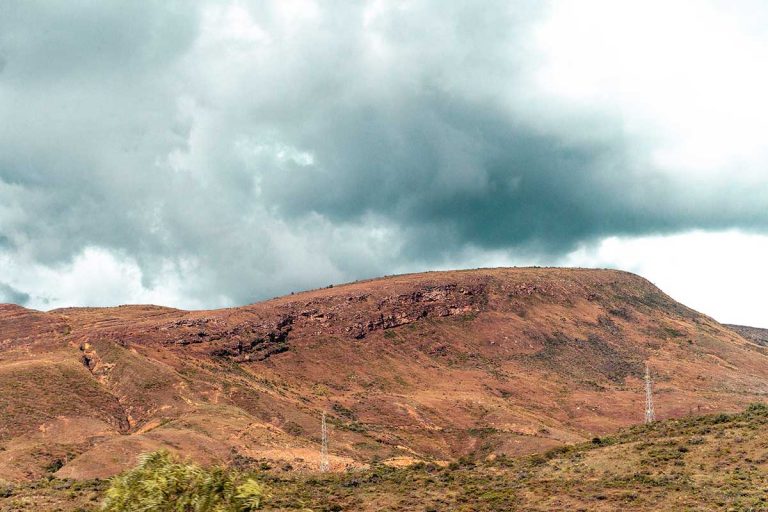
{"x": 324, "y": 465}
{"x": 650, "y": 415}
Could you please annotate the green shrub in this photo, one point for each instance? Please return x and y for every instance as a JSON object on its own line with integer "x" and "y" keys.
{"x": 161, "y": 484}
{"x": 6, "y": 490}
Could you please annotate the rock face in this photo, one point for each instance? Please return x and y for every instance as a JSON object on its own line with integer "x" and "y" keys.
{"x": 424, "y": 366}
{"x": 350, "y": 316}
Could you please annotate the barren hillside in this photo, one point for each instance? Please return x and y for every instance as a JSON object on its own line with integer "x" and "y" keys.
{"x": 417, "y": 367}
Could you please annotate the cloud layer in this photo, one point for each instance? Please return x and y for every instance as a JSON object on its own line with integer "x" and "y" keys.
{"x": 231, "y": 151}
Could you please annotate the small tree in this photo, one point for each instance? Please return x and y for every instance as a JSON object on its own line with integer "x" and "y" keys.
{"x": 161, "y": 484}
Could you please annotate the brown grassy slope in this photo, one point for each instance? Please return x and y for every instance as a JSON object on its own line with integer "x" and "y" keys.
{"x": 704, "y": 463}
{"x": 423, "y": 366}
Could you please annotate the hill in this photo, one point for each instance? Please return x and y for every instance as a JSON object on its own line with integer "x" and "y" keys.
{"x": 423, "y": 367}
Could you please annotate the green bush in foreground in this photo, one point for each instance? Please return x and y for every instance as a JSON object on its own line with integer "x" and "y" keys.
{"x": 161, "y": 484}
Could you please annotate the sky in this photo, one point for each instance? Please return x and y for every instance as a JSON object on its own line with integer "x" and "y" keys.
{"x": 204, "y": 154}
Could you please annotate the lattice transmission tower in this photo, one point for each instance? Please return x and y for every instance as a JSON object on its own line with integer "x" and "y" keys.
{"x": 324, "y": 465}
{"x": 650, "y": 415}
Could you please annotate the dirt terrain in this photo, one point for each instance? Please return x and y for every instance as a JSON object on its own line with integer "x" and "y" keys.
{"x": 422, "y": 367}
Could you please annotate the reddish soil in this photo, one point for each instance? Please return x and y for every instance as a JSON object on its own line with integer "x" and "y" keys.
{"x": 425, "y": 366}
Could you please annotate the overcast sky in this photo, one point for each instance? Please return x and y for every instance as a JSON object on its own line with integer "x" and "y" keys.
{"x": 206, "y": 154}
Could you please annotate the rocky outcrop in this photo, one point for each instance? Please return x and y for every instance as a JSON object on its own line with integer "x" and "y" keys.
{"x": 256, "y": 343}
{"x": 437, "y": 301}
{"x": 353, "y": 316}
{"x": 244, "y": 341}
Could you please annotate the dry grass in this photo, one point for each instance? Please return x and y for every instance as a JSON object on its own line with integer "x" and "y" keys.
{"x": 714, "y": 462}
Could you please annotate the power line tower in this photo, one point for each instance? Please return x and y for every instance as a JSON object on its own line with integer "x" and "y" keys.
{"x": 650, "y": 416}
{"x": 324, "y": 447}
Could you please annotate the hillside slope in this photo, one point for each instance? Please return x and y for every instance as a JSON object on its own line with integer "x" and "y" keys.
{"x": 703, "y": 463}
{"x": 417, "y": 367}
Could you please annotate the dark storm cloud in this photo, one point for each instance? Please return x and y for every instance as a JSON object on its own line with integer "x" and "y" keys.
{"x": 9, "y": 294}
{"x": 264, "y": 150}
{"x": 454, "y": 172}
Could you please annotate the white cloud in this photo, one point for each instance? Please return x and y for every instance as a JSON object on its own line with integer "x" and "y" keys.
{"x": 687, "y": 75}
{"x": 720, "y": 274}
{"x": 99, "y": 277}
